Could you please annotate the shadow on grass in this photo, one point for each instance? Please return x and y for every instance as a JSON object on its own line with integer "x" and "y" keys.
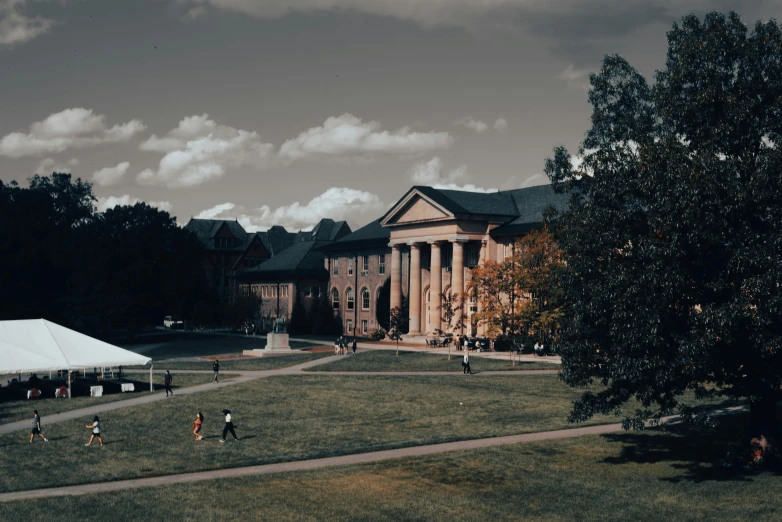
{"x": 699, "y": 455}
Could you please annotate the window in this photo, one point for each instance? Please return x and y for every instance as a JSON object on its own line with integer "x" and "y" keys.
{"x": 364, "y": 326}
{"x": 285, "y": 291}
{"x": 335, "y": 298}
{"x": 382, "y": 261}
{"x": 349, "y": 325}
{"x": 364, "y": 265}
{"x": 508, "y": 250}
{"x": 350, "y": 267}
{"x": 244, "y": 290}
{"x": 335, "y": 266}
{"x": 473, "y": 255}
{"x": 350, "y": 298}
{"x": 256, "y": 290}
{"x": 264, "y": 291}
{"x": 364, "y": 299}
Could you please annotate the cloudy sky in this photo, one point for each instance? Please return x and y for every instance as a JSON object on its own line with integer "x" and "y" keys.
{"x": 288, "y": 111}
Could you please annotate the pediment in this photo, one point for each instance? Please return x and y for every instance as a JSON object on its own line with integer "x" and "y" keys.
{"x": 416, "y": 208}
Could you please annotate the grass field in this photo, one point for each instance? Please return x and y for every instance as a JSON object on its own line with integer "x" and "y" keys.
{"x": 388, "y": 361}
{"x": 176, "y": 345}
{"x": 651, "y": 475}
{"x": 257, "y": 364}
{"x": 13, "y": 411}
{"x": 289, "y": 418}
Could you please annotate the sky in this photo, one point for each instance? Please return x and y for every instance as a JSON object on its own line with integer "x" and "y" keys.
{"x": 284, "y": 112}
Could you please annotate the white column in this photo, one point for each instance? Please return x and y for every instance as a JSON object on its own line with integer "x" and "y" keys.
{"x": 457, "y": 277}
{"x": 396, "y": 276}
{"x": 415, "y": 288}
{"x": 435, "y": 285}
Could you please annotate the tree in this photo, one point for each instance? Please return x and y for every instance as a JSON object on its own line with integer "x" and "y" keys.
{"x": 383, "y": 304}
{"x": 450, "y": 305}
{"x": 299, "y": 321}
{"x": 396, "y": 323}
{"x": 674, "y": 232}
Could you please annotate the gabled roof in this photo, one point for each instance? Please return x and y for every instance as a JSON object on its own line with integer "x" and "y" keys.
{"x": 300, "y": 259}
{"x": 207, "y": 229}
{"x": 369, "y": 236}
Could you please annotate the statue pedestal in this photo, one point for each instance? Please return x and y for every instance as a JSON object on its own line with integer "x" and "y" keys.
{"x": 276, "y": 344}
{"x": 277, "y": 341}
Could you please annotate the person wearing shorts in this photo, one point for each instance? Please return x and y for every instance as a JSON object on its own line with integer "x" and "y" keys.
{"x": 95, "y": 427}
{"x": 37, "y": 427}
{"x": 199, "y": 420}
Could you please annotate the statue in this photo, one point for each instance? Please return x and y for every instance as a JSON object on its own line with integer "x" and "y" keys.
{"x": 279, "y": 325}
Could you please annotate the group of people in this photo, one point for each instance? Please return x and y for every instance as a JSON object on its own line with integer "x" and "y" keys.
{"x": 341, "y": 346}
{"x": 228, "y": 428}
{"x": 38, "y": 429}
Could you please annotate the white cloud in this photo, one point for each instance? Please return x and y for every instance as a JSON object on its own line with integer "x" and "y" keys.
{"x": 349, "y": 135}
{"x": 214, "y": 212}
{"x": 501, "y": 125}
{"x": 49, "y": 165}
{"x": 71, "y": 128}
{"x": 16, "y": 28}
{"x": 576, "y": 78}
{"x": 110, "y": 175}
{"x": 104, "y": 204}
{"x": 430, "y": 173}
{"x": 199, "y": 150}
{"x": 473, "y": 124}
{"x": 337, "y": 203}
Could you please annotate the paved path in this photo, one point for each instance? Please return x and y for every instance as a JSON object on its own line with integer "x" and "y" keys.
{"x": 303, "y": 465}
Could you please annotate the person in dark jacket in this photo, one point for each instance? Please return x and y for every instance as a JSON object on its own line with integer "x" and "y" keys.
{"x": 167, "y": 378}
{"x": 216, "y": 370}
{"x": 354, "y": 346}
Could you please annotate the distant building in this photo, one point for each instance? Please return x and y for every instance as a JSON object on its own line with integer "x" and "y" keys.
{"x": 297, "y": 268}
{"x": 427, "y": 245}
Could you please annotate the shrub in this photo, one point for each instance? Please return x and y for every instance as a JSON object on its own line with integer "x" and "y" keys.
{"x": 377, "y": 335}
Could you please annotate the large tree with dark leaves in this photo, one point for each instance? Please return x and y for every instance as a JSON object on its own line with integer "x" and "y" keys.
{"x": 135, "y": 266}
{"x": 674, "y": 240}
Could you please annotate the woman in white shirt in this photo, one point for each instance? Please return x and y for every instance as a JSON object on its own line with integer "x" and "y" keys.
{"x": 229, "y": 426}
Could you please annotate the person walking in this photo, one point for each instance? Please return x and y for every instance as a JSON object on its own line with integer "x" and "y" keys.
{"x": 229, "y": 426}
{"x": 466, "y": 362}
{"x": 216, "y": 370}
{"x": 354, "y": 346}
{"x": 199, "y": 420}
{"x": 95, "y": 427}
{"x": 37, "y": 429}
{"x": 167, "y": 378}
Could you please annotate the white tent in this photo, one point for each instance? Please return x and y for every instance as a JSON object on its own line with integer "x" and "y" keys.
{"x": 38, "y": 345}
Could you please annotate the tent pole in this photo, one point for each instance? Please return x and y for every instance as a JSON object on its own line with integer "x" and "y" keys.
{"x": 151, "y": 386}
{"x": 69, "y": 383}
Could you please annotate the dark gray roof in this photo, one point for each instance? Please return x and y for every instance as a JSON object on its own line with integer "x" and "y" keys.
{"x": 206, "y": 229}
{"x": 300, "y": 259}
{"x": 531, "y": 203}
{"x": 369, "y": 236}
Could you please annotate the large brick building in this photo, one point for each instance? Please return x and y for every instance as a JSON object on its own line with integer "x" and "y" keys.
{"x": 231, "y": 249}
{"x": 427, "y": 244}
{"x": 299, "y": 268}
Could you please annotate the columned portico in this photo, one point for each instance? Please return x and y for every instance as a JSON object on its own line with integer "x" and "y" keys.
{"x": 415, "y": 288}
{"x": 435, "y": 284}
{"x": 396, "y": 276}
{"x": 457, "y": 278}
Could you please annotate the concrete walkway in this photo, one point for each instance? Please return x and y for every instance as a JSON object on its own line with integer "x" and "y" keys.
{"x": 344, "y": 460}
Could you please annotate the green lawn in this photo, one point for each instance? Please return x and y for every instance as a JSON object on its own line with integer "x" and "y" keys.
{"x": 13, "y": 411}
{"x": 261, "y": 363}
{"x": 289, "y": 418}
{"x": 170, "y": 346}
{"x": 388, "y": 361}
{"x": 651, "y": 475}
